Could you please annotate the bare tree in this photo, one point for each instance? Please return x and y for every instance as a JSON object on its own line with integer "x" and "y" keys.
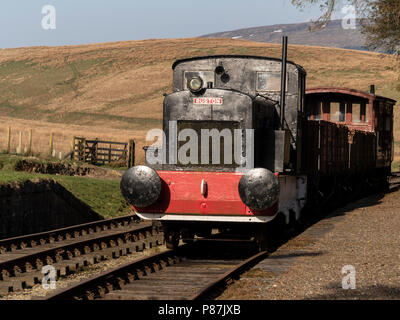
{"x": 380, "y": 20}
{"x": 382, "y": 26}
{"x": 327, "y": 8}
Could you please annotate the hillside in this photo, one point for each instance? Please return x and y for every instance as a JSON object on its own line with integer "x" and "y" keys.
{"x": 332, "y": 35}
{"x": 114, "y": 90}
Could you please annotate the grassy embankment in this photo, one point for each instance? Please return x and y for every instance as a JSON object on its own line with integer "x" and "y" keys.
{"x": 102, "y": 195}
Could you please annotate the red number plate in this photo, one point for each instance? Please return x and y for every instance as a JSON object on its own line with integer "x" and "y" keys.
{"x": 203, "y": 100}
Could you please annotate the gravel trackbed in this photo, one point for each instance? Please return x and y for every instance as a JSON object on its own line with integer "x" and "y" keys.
{"x": 364, "y": 235}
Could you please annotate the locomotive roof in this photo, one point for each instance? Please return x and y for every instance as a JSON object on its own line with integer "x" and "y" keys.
{"x": 234, "y": 56}
{"x": 348, "y": 91}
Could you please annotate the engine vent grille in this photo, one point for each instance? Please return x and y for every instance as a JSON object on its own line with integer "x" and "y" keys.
{"x": 219, "y": 132}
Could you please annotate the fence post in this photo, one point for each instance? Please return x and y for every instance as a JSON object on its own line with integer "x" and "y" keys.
{"x": 73, "y": 148}
{"x": 83, "y": 150}
{"x": 8, "y": 139}
{"x": 19, "y": 148}
{"x": 51, "y": 144}
{"x": 131, "y": 156}
{"x": 94, "y": 154}
{"x": 30, "y": 142}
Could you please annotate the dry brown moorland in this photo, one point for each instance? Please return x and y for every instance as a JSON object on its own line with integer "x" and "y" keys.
{"x": 114, "y": 90}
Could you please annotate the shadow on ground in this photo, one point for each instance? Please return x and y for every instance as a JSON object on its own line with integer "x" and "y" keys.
{"x": 371, "y": 292}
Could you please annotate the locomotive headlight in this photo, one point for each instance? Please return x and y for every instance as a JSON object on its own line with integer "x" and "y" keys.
{"x": 259, "y": 189}
{"x": 195, "y": 84}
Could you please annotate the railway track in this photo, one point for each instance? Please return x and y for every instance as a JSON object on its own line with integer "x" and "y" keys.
{"x": 183, "y": 274}
{"x": 70, "y": 249}
{"x": 394, "y": 180}
{"x": 193, "y": 271}
{"x": 32, "y": 240}
{"x": 173, "y": 274}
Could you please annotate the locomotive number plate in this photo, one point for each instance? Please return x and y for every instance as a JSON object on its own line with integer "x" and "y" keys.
{"x": 218, "y": 101}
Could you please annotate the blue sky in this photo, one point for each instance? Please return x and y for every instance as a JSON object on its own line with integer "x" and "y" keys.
{"x": 91, "y": 21}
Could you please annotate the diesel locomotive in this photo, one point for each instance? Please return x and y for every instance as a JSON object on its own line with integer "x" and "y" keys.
{"x": 243, "y": 144}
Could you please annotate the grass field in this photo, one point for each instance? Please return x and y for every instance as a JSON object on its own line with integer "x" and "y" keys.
{"x": 102, "y": 195}
{"x": 114, "y": 90}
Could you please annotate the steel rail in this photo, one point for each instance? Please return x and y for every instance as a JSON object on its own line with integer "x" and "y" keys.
{"x": 59, "y": 251}
{"x": 222, "y": 280}
{"x": 115, "y": 275}
{"x": 20, "y": 242}
{"x": 114, "y": 280}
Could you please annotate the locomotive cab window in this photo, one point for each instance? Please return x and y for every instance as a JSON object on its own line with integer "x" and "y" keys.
{"x": 267, "y": 81}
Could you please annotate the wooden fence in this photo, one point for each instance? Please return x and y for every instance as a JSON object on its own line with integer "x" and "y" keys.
{"x": 15, "y": 144}
{"x": 56, "y": 145}
{"x": 97, "y": 151}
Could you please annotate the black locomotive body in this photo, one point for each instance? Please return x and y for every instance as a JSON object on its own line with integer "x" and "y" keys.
{"x": 249, "y": 88}
{"x": 236, "y": 153}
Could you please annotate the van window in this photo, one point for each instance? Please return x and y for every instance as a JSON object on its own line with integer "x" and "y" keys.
{"x": 388, "y": 123}
{"x": 337, "y": 111}
{"x": 357, "y": 114}
{"x": 317, "y": 112}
